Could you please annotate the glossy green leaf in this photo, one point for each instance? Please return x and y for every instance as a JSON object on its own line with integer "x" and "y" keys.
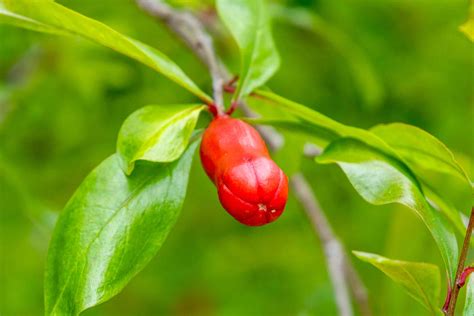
{"x": 469, "y": 304}
{"x": 420, "y": 280}
{"x": 323, "y": 122}
{"x": 420, "y": 149}
{"x": 248, "y": 22}
{"x": 314, "y": 134}
{"x": 110, "y": 229}
{"x": 48, "y": 16}
{"x": 380, "y": 179}
{"x": 158, "y": 133}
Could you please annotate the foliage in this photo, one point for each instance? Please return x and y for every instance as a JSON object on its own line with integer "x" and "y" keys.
{"x": 116, "y": 222}
{"x": 110, "y": 229}
{"x": 248, "y": 22}
{"x": 421, "y": 280}
{"x": 156, "y": 133}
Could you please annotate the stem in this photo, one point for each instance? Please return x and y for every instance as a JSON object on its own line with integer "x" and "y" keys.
{"x": 191, "y": 31}
{"x": 213, "y": 109}
{"x": 333, "y": 249}
{"x": 453, "y": 294}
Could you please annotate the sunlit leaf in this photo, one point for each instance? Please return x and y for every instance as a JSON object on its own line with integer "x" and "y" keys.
{"x": 158, "y": 133}
{"x": 48, "y": 16}
{"x": 380, "y": 180}
{"x": 420, "y": 280}
{"x": 248, "y": 22}
{"x": 110, "y": 229}
{"x": 323, "y": 122}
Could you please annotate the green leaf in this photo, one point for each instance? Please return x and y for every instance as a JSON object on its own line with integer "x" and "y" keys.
{"x": 380, "y": 179}
{"x": 420, "y": 149}
{"x": 158, "y": 133}
{"x": 50, "y": 17}
{"x": 325, "y": 123}
{"x": 469, "y": 304}
{"x": 323, "y": 130}
{"x": 110, "y": 229}
{"x": 420, "y": 280}
{"x": 248, "y": 22}
{"x": 316, "y": 135}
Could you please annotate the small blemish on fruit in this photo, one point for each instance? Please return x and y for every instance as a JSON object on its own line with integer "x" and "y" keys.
{"x": 262, "y": 207}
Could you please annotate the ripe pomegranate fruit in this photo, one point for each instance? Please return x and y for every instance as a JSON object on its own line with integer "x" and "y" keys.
{"x": 251, "y": 187}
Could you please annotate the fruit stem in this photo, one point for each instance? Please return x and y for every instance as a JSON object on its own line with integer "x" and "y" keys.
{"x": 212, "y": 107}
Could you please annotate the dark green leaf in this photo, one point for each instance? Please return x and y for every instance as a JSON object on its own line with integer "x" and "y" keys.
{"x": 248, "y": 22}
{"x": 110, "y": 229}
{"x": 380, "y": 179}
{"x": 158, "y": 133}
{"x": 48, "y": 16}
{"x": 420, "y": 280}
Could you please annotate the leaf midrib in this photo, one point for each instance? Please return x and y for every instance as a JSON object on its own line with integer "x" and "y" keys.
{"x": 167, "y": 123}
{"x": 125, "y": 203}
{"x": 452, "y": 164}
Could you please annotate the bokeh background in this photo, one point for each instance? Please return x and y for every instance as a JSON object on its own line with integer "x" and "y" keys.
{"x": 62, "y": 101}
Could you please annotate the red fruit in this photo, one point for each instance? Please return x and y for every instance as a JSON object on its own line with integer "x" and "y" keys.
{"x": 251, "y": 187}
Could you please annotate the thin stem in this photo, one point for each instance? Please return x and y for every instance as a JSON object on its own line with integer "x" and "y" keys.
{"x": 192, "y": 33}
{"x": 332, "y": 248}
{"x": 453, "y": 295}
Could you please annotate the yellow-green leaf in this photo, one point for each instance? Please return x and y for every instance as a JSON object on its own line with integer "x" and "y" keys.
{"x": 50, "y": 17}
{"x": 248, "y": 22}
{"x": 420, "y": 280}
{"x": 158, "y": 133}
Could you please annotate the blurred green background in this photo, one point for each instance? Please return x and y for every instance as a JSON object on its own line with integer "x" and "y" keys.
{"x": 62, "y": 101}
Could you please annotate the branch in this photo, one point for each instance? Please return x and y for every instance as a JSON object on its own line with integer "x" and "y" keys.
{"x": 191, "y": 31}
{"x": 332, "y": 247}
{"x": 343, "y": 275}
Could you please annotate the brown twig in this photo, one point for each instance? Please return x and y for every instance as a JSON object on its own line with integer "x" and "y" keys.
{"x": 333, "y": 249}
{"x": 343, "y": 275}
{"x": 453, "y": 291}
{"x": 190, "y": 30}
